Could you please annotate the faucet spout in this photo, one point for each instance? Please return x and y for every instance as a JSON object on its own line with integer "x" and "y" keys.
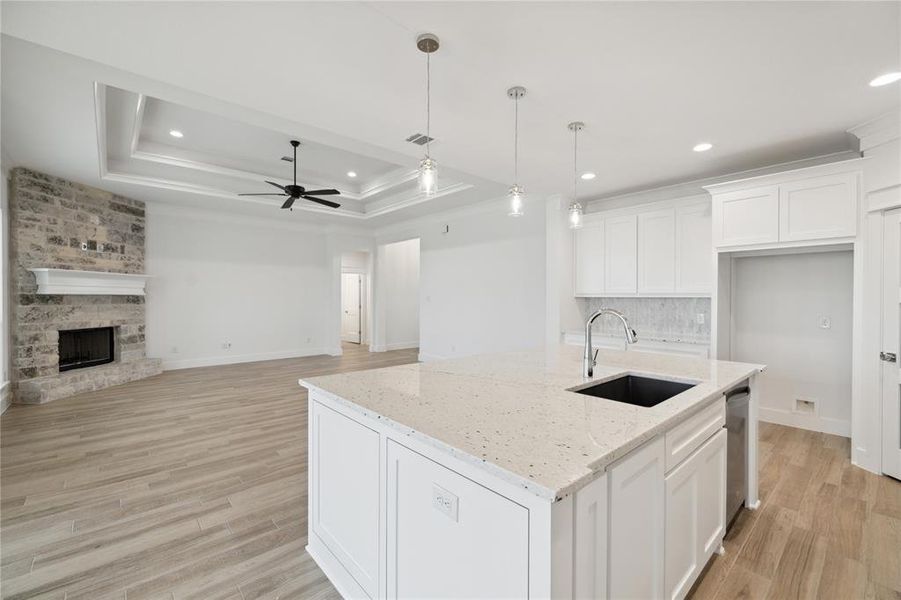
{"x": 589, "y": 359}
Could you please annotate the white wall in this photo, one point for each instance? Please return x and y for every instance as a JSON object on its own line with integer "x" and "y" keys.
{"x": 398, "y": 284}
{"x": 482, "y": 283}
{"x": 262, "y": 287}
{"x": 777, "y": 305}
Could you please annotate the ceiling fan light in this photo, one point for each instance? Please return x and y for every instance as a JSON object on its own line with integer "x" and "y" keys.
{"x": 575, "y": 216}
{"x": 428, "y": 176}
{"x": 516, "y": 195}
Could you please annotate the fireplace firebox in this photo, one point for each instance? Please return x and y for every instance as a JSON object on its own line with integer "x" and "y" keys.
{"x": 80, "y": 348}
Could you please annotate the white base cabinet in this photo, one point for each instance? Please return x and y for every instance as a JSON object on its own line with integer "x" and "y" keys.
{"x": 695, "y": 514}
{"x": 637, "y": 524}
{"x": 392, "y": 517}
{"x": 448, "y": 533}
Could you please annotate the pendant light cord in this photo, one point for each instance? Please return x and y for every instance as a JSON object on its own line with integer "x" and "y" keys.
{"x": 516, "y": 140}
{"x": 575, "y": 163}
{"x": 428, "y": 103}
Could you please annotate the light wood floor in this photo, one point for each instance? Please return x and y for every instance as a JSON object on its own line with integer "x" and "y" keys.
{"x": 193, "y": 485}
{"x": 825, "y": 529}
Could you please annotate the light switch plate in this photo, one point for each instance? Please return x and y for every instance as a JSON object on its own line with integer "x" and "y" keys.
{"x": 445, "y": 502}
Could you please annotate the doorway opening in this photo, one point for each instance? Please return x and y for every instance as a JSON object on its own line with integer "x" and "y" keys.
{"x": 355, "y": 297}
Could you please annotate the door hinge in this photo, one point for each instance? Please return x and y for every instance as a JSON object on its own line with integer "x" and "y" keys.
{"x": 888, "y": 356}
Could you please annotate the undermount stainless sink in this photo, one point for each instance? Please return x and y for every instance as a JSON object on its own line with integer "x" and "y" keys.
{"x": 636, "y": 390}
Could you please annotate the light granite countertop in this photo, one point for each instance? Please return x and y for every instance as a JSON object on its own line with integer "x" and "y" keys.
{"x": 512, "y": 414}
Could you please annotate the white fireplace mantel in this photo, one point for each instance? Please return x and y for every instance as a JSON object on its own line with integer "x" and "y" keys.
{"x": 67, "y": 281}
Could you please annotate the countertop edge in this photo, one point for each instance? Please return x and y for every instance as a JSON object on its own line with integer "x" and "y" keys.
{"x": 594, "y": 470}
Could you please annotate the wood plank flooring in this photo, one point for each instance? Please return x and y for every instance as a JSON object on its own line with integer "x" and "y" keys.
{"x": 825, "y": 529}
{"x": 192, "y": 484}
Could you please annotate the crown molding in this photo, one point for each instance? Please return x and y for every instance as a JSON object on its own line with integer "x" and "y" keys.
{"x": 174, "y": 210}
{"x": 695, "y": 187}
{"x": 878, "y": 131}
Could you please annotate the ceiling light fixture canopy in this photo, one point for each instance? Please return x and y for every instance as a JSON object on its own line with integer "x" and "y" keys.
{"x": 516, "y": 192}
{"x": 886, "y": 79}
{"x": 428, "y": 168}
{"x": 575, "y": 209}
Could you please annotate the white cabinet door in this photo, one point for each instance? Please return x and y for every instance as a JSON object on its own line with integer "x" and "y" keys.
{"x": 746, "y": 217}
{"x": 819, "y": 207}
{"x": 636, "y": 524}
{"x": 657, "y": 251}
{"x": 344, "y": 492}
{"x": 694, "y": 249}
{"x": 590, "y": 564}
{"x": 588, "y": 247}
{"x": 620, "y": 255}
{"x": 695, "y": 514}
{"x": 450, "y": 535}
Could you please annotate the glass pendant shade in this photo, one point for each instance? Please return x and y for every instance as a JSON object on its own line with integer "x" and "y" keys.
{"x": 428, "y": 176}
{"x": 516, "y": 195}
{"x": 575, "y": 216}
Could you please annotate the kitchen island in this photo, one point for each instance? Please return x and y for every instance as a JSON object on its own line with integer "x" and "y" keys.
{"x": 490, "y": 476}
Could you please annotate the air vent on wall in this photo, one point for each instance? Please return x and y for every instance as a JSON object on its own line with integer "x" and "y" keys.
{"x": 420, "y": 139}
{"x": 287, "y": 159}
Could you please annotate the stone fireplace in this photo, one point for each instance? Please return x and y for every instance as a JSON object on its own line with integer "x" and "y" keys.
{"x": 57, "y": 226}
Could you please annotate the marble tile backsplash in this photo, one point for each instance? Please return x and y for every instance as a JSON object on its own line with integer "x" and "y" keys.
{"x": 670, "y": 319}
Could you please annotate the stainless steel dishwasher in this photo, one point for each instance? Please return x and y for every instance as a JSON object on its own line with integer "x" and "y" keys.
{"x": 736, "y": 450}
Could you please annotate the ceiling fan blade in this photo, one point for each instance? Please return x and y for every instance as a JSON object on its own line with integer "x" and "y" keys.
{"x": 289, "y": 202}
{"x": 281, "y": 187}
{"x": 267, "y": 194}
{"x": 321, "y": 201}
{"x": 329, "y": 192}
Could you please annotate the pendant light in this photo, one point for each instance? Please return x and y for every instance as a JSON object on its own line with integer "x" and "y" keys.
{"x": 516, "y": 193}
{"x": 575, "y": 209}
{"x": 428, "y": 168}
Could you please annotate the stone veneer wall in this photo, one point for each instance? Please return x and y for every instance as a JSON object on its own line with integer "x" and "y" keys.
{"x": 55, "y": 223}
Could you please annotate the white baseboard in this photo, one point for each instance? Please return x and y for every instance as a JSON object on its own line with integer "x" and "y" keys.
{"x": 810, "y": 422}
{"x": 212, "y": 361}
{"x": 6, "y": 396}
{"x": 394, "y": 346}
{"x": 339, "y": 577}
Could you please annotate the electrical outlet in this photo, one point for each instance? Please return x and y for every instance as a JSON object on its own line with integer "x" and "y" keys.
{"x": 226, "y": 345}
{"x": 825, "y": 322}
{"x": 445, "y": 502}
{"x": 700, "y": 318}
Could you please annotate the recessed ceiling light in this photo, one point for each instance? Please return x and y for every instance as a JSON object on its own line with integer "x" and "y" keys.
{"x": 703, "y": 147}
{"x": 886, "y": 79}
{"x": 176, "y": 133}
{"x": 351, "y": 173}
{"x": 587, "y": 176}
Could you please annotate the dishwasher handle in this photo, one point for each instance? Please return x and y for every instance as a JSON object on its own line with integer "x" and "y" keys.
{"x": 742, "y": 391}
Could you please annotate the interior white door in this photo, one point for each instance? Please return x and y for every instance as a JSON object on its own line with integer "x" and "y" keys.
{"x": 351, "y": 308}
{"x": 891, "y": 347}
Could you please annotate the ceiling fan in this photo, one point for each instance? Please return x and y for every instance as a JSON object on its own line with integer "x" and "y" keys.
{"x": 294, "y": 191}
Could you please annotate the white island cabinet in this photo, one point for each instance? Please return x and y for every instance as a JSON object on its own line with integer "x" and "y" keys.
{"x": 478, "y": 478}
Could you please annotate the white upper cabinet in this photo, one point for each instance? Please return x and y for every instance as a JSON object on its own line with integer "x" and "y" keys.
{"x": 694, "y": 249}
{"x": 656, "y": 251}
{"x": 787, "y": 209}
{"x": 660, "y": 249}
{"x": 588, "y": 267}
{"x": 620, "y": 255}
{"x": 817, "y": 208}
{"x": 746, "y": 217}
